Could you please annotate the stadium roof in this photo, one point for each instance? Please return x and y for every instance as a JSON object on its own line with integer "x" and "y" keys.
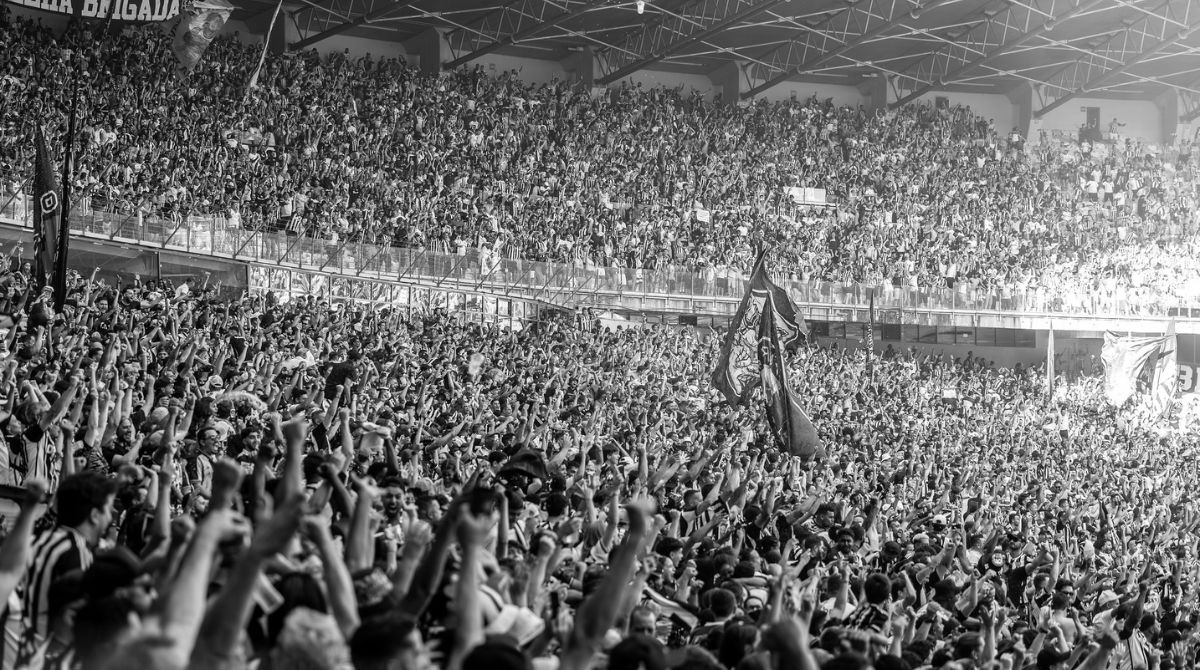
{"x": 1115, "y": 48}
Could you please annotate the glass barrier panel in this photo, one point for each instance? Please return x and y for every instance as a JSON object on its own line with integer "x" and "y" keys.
{"x": 218, "y": 235}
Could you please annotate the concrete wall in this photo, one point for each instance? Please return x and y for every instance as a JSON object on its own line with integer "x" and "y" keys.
{"x": 842, "y": 95}
{"x": 1142, "y": 118}
{"x": 243, "y": 32}
{"x": 532, "y": 70}
{"x": 357, "y": 46}
{"x": 655, "y": 78}
{"x": 996, "y": 107}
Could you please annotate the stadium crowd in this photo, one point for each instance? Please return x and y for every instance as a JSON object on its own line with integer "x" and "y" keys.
{"x": 219, "y": 481}
{"x": 368, "y": 149}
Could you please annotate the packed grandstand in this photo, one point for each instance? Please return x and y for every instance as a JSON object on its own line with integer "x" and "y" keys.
{"x": 202, "y": 479}
{"x": 353, "y": 148}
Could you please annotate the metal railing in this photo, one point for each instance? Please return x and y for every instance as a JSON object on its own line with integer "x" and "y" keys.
{"x": 713, "y": 292}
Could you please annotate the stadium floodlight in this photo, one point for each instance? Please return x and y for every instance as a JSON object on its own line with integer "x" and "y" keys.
{"x": 641, "y": 6}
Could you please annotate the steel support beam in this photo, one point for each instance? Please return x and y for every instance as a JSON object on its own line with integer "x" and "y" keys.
{"x": 995, "y": 35}
{"x": 831, "y": 32}
{"x": 1190, "y": 103}
{"x": 1142, "y": 38}
{"x": 518, "y": 20}
{"x": 671, "y": 32}
{"x": 869, "y": 26}
{"x": 376, "y": 14}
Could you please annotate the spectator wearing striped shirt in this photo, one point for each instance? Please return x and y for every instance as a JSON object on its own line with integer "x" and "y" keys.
{"x": 873, "y": 614}
{"x": 84, "y": 507}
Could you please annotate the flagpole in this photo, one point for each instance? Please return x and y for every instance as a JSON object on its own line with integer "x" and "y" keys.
{"x": 64, "y": 227}
{"x": 871, "y": 335}
{"x": 253, "y": 82}
{"x": 1050, "y": 371}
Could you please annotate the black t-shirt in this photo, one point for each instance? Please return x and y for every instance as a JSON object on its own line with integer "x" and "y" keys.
{"x": 338, "y": 375}
{"x": 237, "y": 344}
{"x": 1017, "y": 577}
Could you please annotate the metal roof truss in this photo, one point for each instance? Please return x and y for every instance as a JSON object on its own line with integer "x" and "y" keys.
{"x": 996, "y": 32}
{"x": 1143, "y": 37}
{"x": 836, "y": 33}
{"x": 510, "y": 24}
{"x": 670, "y": 32}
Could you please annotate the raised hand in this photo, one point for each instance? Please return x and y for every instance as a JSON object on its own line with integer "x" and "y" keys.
{"x": 37, "y": 492}
{"x": 226, "y": 524}
{"x": 226, "y": 482}
{"x": 274, "y": 534}
{"x": 472, "y": 530}
{"x": 365, "y": 486}
{"x": 314, "y": 528}
{"x": 568, "y": 528}
{"x": 417, "y": 536}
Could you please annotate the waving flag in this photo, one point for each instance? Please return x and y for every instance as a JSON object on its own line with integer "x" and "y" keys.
{"x": 764, "y": 327}
{"x": 1165, "y": 383}
{"x": 46, "y": 211}
{"x": 199, "y": 23}
{"x": 737, "y": 370}
{"x": 793, "y": 430}
{"x": 1125, "y": 359}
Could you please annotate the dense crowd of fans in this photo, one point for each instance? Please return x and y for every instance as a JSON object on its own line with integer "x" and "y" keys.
{"x": 367, "y": 149}
{"x": 203, "y": 480}
{"x": 217, "y": 481}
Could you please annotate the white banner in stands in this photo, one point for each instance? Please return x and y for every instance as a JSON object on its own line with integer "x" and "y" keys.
{"x": 805, "y": 195}
{"x": 140, "y": 11}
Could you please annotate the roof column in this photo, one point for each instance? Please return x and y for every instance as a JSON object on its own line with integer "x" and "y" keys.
{"x": 430, "y": 49}
{"x": 1168, "y": 106}
{"x": 728, "y": 78}
{"x": 581, "y": 66}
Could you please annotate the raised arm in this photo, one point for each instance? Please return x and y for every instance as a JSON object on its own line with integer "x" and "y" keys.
{"x": 225, "y": 623}
{"x": 182, "y": 604}
{"x": 338, "y": 585}
{"x": 598, "y": 613}
{"x": 429, "y": 573}
{"x": 472, "y": 534}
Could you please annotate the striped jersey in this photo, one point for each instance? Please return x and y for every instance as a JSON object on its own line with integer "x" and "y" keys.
{"x": 54, "y": 554}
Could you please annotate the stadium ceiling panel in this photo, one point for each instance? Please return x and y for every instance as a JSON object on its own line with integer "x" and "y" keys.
{"x": 674, "y": 30}
{"x": 832, "y": 38}
{"x": 323, "y": 21}
{"x": 508, "y": 25}
{"x": 996, "y": 31}
{"x": 1151, "y": 33}
{"x": 317, "y": 20}
{"x": 1111, "y": 48}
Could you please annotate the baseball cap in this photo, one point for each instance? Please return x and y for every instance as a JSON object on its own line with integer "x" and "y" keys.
{"x": 1107, "y": 598}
